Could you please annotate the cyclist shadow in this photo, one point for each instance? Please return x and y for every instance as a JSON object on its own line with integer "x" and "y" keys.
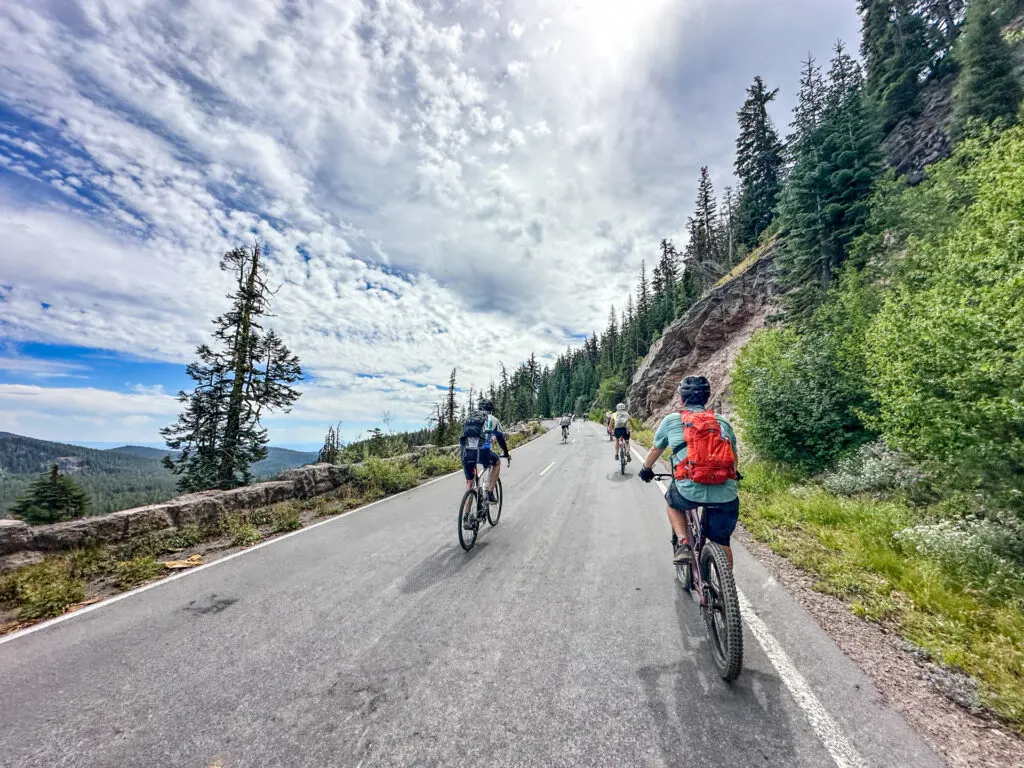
{"x": 442, "y": 563}
{"x": 618, "y": 477}
{"x": 692, "y": 705}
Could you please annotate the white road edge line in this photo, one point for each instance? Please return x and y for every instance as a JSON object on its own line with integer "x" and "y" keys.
{"x": 182, "y": 574}
{"x": 843, "y": 753}
{"x": 549, "y": 466}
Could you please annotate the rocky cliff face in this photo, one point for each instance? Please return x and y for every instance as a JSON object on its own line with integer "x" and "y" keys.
{"x": 920, "y": 141}
{"x": 705, "y": 340}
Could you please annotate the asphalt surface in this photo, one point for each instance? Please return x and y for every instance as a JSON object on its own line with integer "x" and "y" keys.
{"x": 562, "y": 639}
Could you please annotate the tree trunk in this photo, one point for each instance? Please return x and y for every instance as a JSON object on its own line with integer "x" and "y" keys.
{"x": 241, "y": 368}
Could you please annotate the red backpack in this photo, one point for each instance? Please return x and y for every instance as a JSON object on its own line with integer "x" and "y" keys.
{"x": 710, "y": 459}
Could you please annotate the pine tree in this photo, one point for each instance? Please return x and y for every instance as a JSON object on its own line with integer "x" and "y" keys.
{"x": 987, "y": 88}
{"x": 825, "y": 203}
{"x": 758, "y": 163}
{"x": 894, "y": 45}
{"x": 643, "y": 311}
{"x": 219, "y": 434}
{"x": 810, "y": 104}
{"x": 450, "y": 407}
{"x": 51, "y": 498}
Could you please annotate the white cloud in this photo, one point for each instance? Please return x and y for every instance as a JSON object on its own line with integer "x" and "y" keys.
{"x": 434, "y": 188}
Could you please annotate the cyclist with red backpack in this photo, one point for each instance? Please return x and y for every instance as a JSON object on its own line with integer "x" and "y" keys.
{"x": 703, "y": 458}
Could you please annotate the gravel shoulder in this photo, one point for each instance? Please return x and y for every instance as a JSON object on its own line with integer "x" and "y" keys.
{"x": 923, "y": 692}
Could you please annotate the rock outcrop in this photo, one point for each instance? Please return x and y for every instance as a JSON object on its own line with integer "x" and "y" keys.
{"x": 920, "y": 141}
{"x": 706, "y": 339}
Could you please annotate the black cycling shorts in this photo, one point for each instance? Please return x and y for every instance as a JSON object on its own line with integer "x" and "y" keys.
{"x": 622, "y": 432}
{"x": 719, "y": 519}
{"x": 473, "y": 456}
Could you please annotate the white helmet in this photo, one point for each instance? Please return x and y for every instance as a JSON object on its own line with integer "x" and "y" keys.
{"x": 620, "y": 407}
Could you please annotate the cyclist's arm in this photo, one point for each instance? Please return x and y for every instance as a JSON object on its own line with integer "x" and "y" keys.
{"x": 500, "y": 437}
{"x": 659, "y": 445}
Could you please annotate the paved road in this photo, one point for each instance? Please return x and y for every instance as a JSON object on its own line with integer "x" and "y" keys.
{"x": 373, "y": 639}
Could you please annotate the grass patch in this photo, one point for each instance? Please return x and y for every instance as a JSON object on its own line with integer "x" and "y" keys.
{"x": 851, "y": 546}
{"x": 41, "y": 590}
{"x": 286, "y": 518}
{"x": 128, "y": 573}
{"x": 183, "y": 538}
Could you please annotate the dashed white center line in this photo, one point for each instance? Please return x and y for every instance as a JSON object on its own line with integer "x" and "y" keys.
{"x": 549, "y": 466}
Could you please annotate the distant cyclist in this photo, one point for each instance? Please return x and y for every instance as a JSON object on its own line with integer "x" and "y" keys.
{"x": 620, "y": 423}
{"x": 705, "y": 472}
{"x": 564, "y": 424}
{"x": 609, "y": 424}
{"x": 479, "y": 429}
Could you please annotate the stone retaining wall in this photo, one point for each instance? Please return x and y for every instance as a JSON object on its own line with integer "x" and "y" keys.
{"x": 21, "y": 543}
{"x": 18, "y": 540}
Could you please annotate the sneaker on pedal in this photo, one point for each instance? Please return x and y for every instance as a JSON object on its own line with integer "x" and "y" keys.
{"x": 469, "y": 522}
{"x": 491, "y": 497}
{"x": 628, "y": 457}
{"x": 683, "y": 554}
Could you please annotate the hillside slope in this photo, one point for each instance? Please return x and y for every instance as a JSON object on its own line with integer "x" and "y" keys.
{"x": 118, "y": 478}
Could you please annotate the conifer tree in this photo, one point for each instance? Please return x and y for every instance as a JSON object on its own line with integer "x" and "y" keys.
{"x": 810, "y": 104}
{"x": 894, "y": 45}
{"x": 51, "y": 498}
{"x": 218, "y": 434}
{"x": 987, "y": 88}
{"x": 825, "y": 202}
{"x": 758, "y": 163}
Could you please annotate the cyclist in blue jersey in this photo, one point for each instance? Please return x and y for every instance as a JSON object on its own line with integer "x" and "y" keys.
{"x": 477, "y": 433}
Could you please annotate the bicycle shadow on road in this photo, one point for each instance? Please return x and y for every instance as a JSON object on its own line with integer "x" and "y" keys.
{"x": 618, "y": 477}
{"x": 692, "y": 706}
{"x": 444, "y": 562}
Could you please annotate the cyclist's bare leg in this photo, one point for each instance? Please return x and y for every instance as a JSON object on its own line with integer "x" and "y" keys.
{"x": 678, "y": 522}
{"x": 492, "y": 481}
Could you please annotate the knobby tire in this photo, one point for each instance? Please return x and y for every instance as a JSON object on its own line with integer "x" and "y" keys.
{"x": 728, "y": 659}
{"x": 494, "y": 510}
{"x": 467, "y": 538}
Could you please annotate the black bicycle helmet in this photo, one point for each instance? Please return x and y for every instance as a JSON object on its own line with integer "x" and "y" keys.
{"x": 695, "y": 390}
{"x": 487, "y": 406}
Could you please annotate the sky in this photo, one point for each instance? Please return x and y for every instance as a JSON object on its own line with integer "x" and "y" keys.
{"x": 439, "y": 185}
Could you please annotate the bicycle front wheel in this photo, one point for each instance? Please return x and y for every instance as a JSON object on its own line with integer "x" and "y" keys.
{"x": 494, "y": 510}
{"x": 467, "y": 517}
{"x": 721, "y": 611}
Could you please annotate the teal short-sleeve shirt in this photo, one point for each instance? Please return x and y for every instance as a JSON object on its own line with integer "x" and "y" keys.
{"x": 670, "y": 435}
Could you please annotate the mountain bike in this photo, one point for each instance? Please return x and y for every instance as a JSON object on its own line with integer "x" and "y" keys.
{"x": 709, "y": 574}
{"x": 621, "y": 453}
{"x": 476, "y": 508}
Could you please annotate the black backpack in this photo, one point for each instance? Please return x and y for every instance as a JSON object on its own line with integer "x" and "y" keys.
{"x": 474, "y": 425}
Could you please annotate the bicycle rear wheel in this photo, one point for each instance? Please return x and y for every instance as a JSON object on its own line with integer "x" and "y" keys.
{"x": 467, "y": 513}
{"x": 494, "y": 510}
{"x": 721, "y": 611}
{"x": 622, "y": 459}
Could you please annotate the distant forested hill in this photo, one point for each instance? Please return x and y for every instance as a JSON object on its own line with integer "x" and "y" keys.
{"x": 118, "y": 478}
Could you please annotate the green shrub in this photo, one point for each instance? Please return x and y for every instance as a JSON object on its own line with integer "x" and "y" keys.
{"x": 797, "y": 406}
{"x": 377, "y": 476}
{"x": 183, "y": 538}
{"x": 286, "y": 518}
{"x": 947, "y": 350}
{"x": 240, "y": 529}
{"x": 137, "y": 570}
{"x": 41, "y": 590}
{"x": 434, "y": 464}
